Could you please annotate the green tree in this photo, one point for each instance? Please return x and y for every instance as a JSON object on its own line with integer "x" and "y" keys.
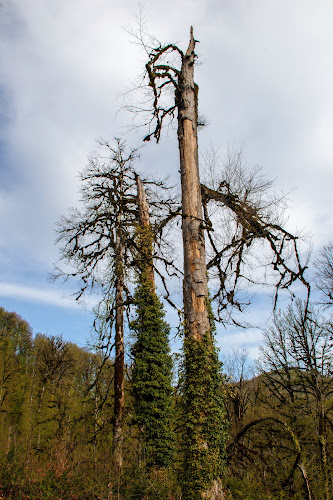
{"x": 15, "y": 357}
{"x": 151, "y": 376}
{"x": 152, "y": 367}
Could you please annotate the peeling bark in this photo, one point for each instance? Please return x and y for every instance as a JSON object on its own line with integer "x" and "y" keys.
{"x": 195, "y": 277}
{"x": 143, "y": 208}
{"x": 195, "y": 285}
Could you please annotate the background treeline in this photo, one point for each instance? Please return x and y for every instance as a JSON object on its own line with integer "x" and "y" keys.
{"x": 281, "y": 420}
{"x": 56, "y": 413}
{"x": 55, "y": 416}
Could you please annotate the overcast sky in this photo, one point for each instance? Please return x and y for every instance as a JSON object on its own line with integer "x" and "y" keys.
{"x": 266, "y": 79}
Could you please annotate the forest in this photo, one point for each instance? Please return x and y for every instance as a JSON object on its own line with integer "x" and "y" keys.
{"x": 127, "y": 419}
{"x": 57, "y": 417}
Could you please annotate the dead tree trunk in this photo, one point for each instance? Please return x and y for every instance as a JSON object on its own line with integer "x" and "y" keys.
{"x": 204, "y": 417}
{"x": 97, "y": 242}
{"x": 119, "y": 398}
{"x": 204, "y": 436}
{"x": 199, "y": 401}
{"x": 195, "y": 272}
{"x": 143, "y": 208}
{"x": 146, "y": 235}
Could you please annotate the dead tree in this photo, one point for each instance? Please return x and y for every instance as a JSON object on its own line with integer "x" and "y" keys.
{"x": 204, "y": 416}
{"x": 97, "y": 246}
{"x": 101, "y": 249}
{"x": 146, "y": 250}
{"x": 252, "y": 224}
{"x": 195, "y": 276}
{"x": 248, "y": 244}
{"x": 151, "y": 382}
{"x": 242, "y": 192}
{"x": 186, "y": 103}
{"x": 119, "y": 362}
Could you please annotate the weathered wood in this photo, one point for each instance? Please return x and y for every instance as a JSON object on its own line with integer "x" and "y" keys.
{"x": 146, "y": 231}
{"x": 203, "y": 457}
{"x": 119, "y": 363}
{"x": 195, "y": 277}
{"x": 306, "y": 480}
{"x": 143, "y": 208}
{"x": 195, "y": 287}
{"x": 215, "y": 492}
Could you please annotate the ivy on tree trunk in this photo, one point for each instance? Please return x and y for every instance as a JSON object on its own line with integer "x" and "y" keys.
{"x": 152, "y": 367}
{"x": 204, "y": 449}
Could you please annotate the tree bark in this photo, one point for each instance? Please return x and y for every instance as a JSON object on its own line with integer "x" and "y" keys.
{"x": 119, "y": 399}
{"x": 195, "y": 285}
{"x": 146, "y": 244}
{"x": 195, "y": 272}
{"x": 306, "y": 481}
{"x": 143, "y": 208}
{"x": 204, "y": 454}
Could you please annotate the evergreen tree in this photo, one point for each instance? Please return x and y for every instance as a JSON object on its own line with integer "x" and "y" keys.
{"x": 151, "y": 377}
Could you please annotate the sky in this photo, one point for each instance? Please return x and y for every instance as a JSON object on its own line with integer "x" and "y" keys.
{"x": 265, "y": 85}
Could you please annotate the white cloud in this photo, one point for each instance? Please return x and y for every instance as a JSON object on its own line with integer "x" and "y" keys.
{"x": 265, "y": 82}
{"x": 39, "y": 295}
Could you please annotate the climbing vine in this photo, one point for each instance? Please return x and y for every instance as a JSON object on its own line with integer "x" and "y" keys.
{"x": 152, "y": 367}
{"x": 205, "y": 424}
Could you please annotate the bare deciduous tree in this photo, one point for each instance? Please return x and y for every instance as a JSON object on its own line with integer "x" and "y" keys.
{"x": 97, "y": 247}
{"x": 100, "y": 251}
{"x": 297, "y": 367}
{"x": 248, "y": 245}
{"x": 237, "y": 370}
{"x": 324, "y": 274}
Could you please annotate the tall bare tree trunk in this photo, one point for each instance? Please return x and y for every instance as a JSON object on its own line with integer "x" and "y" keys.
{"x": 204, "y": 415}
{"x": 143, "y": 208}
{"x": 146, "y": 230}
{"x": 119, "y": 399}
{"x": 195, "y": 272}
{"x": 201, "y": 446}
